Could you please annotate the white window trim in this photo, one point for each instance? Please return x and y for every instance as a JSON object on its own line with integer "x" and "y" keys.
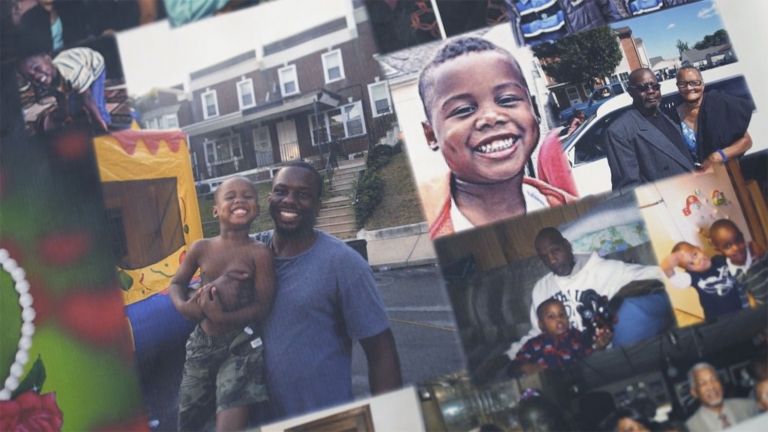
{"x": 373, "y": 102}
{"x": 216, "y": 160}
{"x": 215, "y": 104}
{"x": 325, "y": 66}
{"x": 249, "y": 82}
{"x": 324, "y": 115}
{"x": 165, "y": 122}
{"x": 296, "y": 79}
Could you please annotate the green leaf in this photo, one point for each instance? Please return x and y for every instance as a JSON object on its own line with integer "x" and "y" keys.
{"x": 34, "y": 379}
{"x": 126, "y": 281}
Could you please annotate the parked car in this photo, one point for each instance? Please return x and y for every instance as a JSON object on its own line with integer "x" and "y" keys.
{"x": 585, "y": 147}
{"x": 598, "y": 97}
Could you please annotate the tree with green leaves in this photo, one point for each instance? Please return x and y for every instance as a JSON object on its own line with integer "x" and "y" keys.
{"x": 581, "y": 57}
{"x": 719, "y": 37}
{"x": 681, "y": 47}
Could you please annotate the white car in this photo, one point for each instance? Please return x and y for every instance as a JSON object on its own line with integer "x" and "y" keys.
{"x": 585, "y": 147}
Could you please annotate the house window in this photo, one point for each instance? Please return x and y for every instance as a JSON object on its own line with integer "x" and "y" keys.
{"x": 289, "y": 82}
{"x": 245, "y": 94}
{"x": 381, "y": 103}
{"x": 223, "y": 150}
{"x": 170, "y": 121}
{"x": 333, "y": 66}
{"x": 338, "y": 123}
{"x": 152, "y": 124}
{"x": 210, "y": 104}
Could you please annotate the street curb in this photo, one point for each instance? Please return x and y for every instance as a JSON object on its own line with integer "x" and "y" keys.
{"x": 394, "y": 232}
{"x": 406, "y": 264}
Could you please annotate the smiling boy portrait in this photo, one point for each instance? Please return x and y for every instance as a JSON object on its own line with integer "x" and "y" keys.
{"x": 480, "y": 117}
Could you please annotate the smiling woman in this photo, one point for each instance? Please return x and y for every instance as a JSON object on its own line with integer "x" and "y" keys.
{"x": 715, "y": 126}
{"x": 481, "y": 118}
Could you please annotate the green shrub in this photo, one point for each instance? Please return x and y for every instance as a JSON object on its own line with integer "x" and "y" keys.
{"x": 379, "y": 156}
{"x": 370, "y": 191}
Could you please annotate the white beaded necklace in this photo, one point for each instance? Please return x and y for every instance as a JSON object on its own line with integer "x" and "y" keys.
{"x": 27, "y": 327}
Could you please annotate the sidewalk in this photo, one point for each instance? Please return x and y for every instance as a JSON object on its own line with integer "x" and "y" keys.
{"x": 398, "y": 247}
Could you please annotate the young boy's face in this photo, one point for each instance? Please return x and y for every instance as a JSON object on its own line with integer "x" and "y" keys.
{"x": 553, "y": 320}
{"x": 481, "y": 117}
{"x": 236, "y": 202}
{"x": 38, "y": 69}
{"x": 695, "y": 259}
{"x": 730, "y": 242}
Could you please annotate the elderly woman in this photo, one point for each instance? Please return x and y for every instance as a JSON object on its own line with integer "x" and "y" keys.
{"x": 714, "y": 124}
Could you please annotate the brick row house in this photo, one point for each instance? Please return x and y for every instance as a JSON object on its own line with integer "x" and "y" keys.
{"x": 286, "y": 99}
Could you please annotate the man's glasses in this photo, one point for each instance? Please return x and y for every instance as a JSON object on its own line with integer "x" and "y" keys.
{"x": 646, "y": 87}
{"x": 686, "y": 84}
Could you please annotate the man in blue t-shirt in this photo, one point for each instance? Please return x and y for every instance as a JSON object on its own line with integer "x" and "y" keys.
{"x": 326, "y": 298}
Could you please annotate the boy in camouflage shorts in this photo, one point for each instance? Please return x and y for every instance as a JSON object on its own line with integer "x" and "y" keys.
{"x": 224, "y": 368}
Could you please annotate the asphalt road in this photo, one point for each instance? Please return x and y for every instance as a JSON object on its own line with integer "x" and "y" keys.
{"x": 423, "y": 324}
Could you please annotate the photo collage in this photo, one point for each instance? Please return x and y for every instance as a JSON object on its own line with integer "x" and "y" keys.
{"x": 383, "y": 215}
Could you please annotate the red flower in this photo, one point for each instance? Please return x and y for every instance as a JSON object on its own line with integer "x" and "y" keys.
{"x": 31, "y": 412}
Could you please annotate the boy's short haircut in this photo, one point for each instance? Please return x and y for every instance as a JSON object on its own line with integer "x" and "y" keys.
{"x": 315, "y": 173}
{"x": 540, "y": 308}
{"x": 680, "y": 245}
{"x": 724, "y": 223}
{"x": 456, "y": 48}
{"x": 216, "y": 192}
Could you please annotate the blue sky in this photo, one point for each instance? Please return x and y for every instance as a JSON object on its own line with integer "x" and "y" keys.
{"x": 661, "y": 30}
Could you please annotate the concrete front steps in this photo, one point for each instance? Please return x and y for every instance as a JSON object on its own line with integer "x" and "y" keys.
{"x": 337, "y": 212}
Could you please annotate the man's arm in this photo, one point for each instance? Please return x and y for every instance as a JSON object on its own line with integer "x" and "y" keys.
{"x": 618, "y": 274}
{"x": 264, "y": 293}
{"x": 383, "y": 362}
{"x": 187, "y": 307}
{"x": 622, "y": 160}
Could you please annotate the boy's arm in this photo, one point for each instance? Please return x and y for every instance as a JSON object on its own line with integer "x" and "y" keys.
{"x": 671, "y": 261}
{"x": 187, "y": 307}
{"x": 93, "y": 110}
{"x": 677, "y": 279}
{"x": 264, "y": 293}
{"x": 524, "y": 363}
{"x": 383, "y": 362}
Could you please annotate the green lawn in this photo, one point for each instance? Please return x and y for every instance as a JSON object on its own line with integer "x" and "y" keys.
{"x": 401, "y": 204}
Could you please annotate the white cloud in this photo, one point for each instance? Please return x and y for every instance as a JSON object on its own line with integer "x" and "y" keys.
{"x": 707, "y": 12}
{"x": 671, "y": 26}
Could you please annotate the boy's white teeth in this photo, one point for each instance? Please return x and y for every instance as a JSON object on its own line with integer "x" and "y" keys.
{"x": 289, "y": 214}
{"x": 240, "y": 212}
{"x": 497, "y": 145}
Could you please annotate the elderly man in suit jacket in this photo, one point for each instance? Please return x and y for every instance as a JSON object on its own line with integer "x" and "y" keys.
{"x": 643, "y": 144}
{"x": 715, "y": 412}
